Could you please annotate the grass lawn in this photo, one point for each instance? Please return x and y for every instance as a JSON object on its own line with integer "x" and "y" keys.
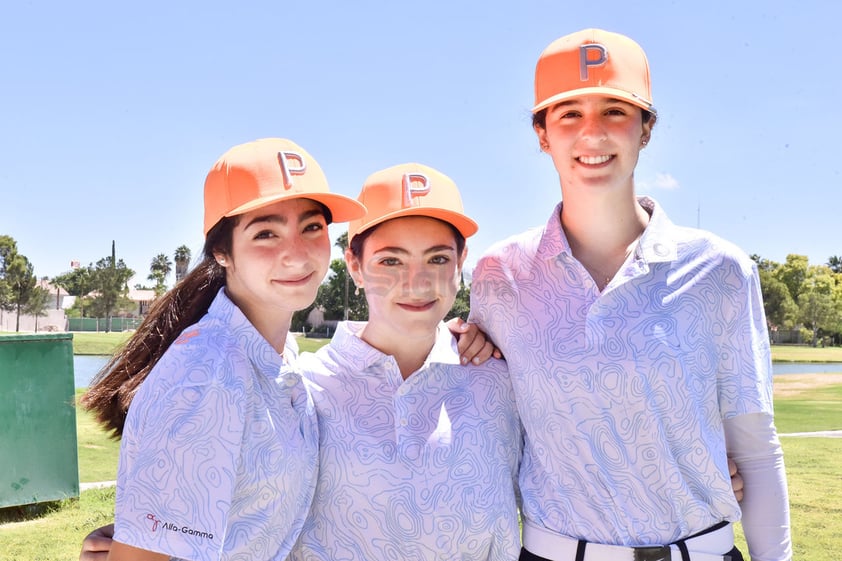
{"x": 808, "y": 402}
{"x": 54, "y": 531}
{"x": 89, "y": 343}
{"x": 792, "y": 353}
{"x": 98, "y": 452}
{"x": 311, "y": 345}
{"x": 815, "y": 498}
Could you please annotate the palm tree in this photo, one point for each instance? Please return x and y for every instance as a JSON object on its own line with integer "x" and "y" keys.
{"x": 182, "y": 262}
{"x": 158, "y": 272}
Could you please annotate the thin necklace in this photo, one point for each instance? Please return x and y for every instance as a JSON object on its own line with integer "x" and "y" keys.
{"x": 607, "y": 277}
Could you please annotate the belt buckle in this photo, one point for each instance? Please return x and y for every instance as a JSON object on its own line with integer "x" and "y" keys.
{"x": 657, "y": 553}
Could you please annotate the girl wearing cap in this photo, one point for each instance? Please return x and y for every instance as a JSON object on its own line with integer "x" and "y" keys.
{"x": 418, "y": 454}
{"x": 638, "y": 349}
{"x": 219, "y": 447}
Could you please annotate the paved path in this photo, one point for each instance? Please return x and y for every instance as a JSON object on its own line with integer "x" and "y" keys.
{"x": 96, "y": 485}
{"x": 823, "y": 433}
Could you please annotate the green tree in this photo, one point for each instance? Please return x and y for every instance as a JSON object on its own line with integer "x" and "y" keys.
{"x": 5, "y": 299}
{"x": 781, "y": 310}
{"x": 182, "y": 262}
{"x": 818, "y": 307}
{"x": 837, "y": 302}
{"x": 159, "y": 270}
{"x": 337, "y": 295}
{"x": 764, "y": 264}
{"x": 299, "y": 318}
{"x": 20, "y": 281}
{"x": 96, "y": 307}
{"x": 792, "y": 274}
{"x": 835, "y": 263}
{"x": 8, "y": 248}
{"x": 17, "y": 280}
{"x": 110, "y": 278}
{"x": 37, "y": 304}
{"x": 79, "y": 283}
{"x": 462, "y": 305}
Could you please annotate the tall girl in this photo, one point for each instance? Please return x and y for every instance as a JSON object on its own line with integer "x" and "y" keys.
{"x": 638, "y": 348}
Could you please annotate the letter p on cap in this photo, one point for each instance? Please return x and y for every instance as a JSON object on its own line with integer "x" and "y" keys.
{"x": 586, "y": 60}
{"x": 292, "y": 163}
{"x": 414, "y": 185}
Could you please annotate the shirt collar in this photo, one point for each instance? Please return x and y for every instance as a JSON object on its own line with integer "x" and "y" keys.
{"x": 346, "y": 340}
{"x": 444, "y": 350}
{"x": 657, "y": 244}
{"x": 258, "y": 349}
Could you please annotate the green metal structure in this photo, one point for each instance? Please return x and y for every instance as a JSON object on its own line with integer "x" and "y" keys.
{"x": 38, "y": 454}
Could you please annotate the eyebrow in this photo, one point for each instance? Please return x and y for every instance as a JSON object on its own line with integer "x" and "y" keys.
{"x": 402, "y": 251}
{"x": 281, "y": 219}
{"x": 609, "y": 100}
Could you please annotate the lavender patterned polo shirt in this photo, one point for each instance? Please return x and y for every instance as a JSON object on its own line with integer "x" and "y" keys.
{"x": 219, "y": 453}
{"x": 622, "y": 393}
{"x": 417, "y": 469}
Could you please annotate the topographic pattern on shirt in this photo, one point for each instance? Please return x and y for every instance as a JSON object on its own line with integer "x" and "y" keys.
{"x": 414, "y": 470}
{"x": 622, "y": 392}
{"x": 219, "y": 452}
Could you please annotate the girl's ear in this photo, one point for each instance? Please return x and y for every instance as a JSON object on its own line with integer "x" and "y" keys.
{"x": 542, "y": 137}
{"x": 221, "y": 258}
{"x": 647, "y": 127}
{"x": 354, "y": 266}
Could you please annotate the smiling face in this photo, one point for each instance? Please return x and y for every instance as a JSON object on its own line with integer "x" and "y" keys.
{"x": 410, "y": 270}
{"x": 594, "y": 141}
{"x": 279, "y": 256}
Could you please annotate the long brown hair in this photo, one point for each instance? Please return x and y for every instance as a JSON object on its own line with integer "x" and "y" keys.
{"x": 115, "y": 386}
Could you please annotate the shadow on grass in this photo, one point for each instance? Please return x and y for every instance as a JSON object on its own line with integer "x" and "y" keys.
{"x": 25, "y": 513}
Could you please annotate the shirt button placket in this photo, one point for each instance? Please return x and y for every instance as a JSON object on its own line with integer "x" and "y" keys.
{"x": 401, "y": 419}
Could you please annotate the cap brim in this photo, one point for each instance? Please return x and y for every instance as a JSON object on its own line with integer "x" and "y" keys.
{"x": 462, "y": 223}
{"x": 644, "y": 104}
{"x": 342, "y": 208}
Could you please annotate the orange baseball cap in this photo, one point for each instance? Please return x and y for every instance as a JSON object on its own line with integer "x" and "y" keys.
{"x": 593, "y": 61}
{"x": 265, "y": 171}
{"x": 411, "y": 190}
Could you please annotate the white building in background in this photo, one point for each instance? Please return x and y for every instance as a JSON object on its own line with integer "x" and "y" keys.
{"x": 54, "y": 320}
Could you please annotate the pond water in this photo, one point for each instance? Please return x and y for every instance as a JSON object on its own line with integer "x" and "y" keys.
{"x": 806, "y": 368}
{"x": 85, "y": 368}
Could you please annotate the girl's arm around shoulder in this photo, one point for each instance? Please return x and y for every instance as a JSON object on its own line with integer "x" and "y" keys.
{"x": 473, "y": 344}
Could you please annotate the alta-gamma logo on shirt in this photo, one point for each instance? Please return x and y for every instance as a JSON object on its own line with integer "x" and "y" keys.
{"x": 155, "y": 524}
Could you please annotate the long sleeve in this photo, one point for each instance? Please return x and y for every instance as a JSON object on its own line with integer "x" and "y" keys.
{"x": 753, "y": 444}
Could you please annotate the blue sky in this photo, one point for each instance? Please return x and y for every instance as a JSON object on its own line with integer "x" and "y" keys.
{"x": 111, "y": 113}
